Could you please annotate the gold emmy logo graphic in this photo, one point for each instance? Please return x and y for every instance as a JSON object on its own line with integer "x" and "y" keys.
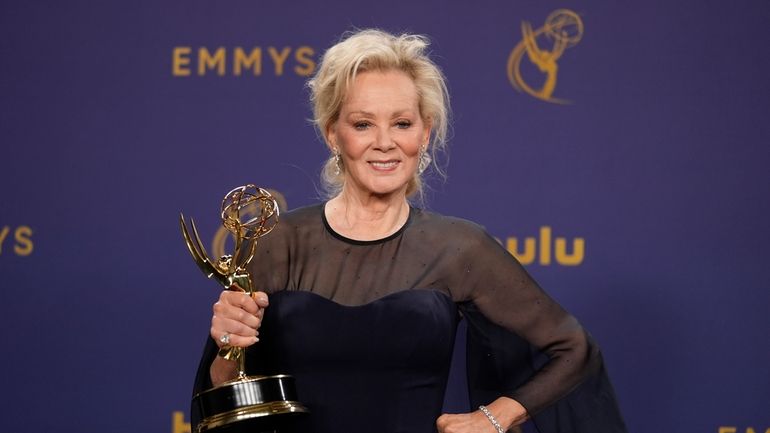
{"x": 17, "y": 240}
{"x": 178, "y": 424}
{"x": 741, "y": 430}
{"x": 544, "y": 47}
{"x": 187, "y": 61}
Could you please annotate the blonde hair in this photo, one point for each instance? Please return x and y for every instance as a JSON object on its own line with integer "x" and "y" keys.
{"x": 376, "y": 50}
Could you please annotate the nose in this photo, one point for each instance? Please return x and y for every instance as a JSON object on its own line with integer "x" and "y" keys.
{"x": 384, "y": 141}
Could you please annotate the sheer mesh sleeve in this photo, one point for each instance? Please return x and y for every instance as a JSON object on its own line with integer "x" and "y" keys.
{"x": 499, "y": 288}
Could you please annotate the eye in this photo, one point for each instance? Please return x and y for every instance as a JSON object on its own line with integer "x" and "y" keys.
{"x": 361, "y": 125}
{"x": 403, "y": 124}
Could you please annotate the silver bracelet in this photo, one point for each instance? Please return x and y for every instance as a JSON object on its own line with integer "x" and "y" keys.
{"x": 491, "y": 419}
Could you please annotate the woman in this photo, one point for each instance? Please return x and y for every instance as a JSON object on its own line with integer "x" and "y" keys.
{"x": 365, "y": 290}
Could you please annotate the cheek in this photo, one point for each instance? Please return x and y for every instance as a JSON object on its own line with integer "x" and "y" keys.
{"x": 352, "y": 145}
{"x": 415, "y": 143}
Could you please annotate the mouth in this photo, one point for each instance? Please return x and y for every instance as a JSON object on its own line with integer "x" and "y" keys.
{"x": 384, "y": 165}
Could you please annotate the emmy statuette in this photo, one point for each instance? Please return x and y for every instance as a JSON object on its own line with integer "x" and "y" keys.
{"x": 262, "y": 402}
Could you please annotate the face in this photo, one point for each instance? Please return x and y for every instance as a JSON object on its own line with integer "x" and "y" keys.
{"x": 379, "y": 133}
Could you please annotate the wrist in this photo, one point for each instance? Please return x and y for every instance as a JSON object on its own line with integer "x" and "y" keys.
{"x": 492, "y": 419}
{"x": 507, "y": 412}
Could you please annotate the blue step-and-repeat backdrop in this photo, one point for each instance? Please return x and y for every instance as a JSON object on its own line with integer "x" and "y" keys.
{"x": 623, "y": 158}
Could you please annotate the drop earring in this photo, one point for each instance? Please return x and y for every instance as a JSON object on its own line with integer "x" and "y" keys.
{"x": 337, "y": 162}
{"x": 424, "y": 160}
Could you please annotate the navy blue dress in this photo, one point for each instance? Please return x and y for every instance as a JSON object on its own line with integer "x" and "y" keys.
{"x": 367, "y": 329}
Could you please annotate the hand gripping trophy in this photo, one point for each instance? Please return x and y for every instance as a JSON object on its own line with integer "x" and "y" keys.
{"x": 264, "y": 401}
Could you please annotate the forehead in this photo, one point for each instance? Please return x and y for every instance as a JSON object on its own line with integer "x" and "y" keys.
{"x": 372, "y": 90}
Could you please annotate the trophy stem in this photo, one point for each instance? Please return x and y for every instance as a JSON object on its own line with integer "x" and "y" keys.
{"x": 242, "y": 363}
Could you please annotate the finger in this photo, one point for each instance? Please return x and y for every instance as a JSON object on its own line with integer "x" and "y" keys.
{"x": 236, "y": 341}
{"x": 261, "y": 299}
{"x": 221, "y": 325}
{"x": 239, "y": 299}
{"x": 442, "y": 422}
{"x": 226, "y": 311}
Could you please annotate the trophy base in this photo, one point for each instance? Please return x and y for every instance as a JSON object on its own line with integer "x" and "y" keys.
{"x": 262, "y": 403}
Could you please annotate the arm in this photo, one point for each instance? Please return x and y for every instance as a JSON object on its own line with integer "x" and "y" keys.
{"x": 499, "y": 362}
{"x": 508, "y": 314}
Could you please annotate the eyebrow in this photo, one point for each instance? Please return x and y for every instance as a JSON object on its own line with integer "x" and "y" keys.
{"x": 369, "y": 114}
{"x": 365, "y": 113}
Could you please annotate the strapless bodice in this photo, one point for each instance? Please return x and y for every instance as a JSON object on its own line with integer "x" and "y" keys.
{"x": 381, "y": 366}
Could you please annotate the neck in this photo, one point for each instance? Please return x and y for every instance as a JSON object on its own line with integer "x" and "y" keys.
{"x": 367, "y": 217}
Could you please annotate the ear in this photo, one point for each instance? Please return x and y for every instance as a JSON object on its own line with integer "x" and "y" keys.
{"x": 331, "y": 136}
{"x": 426, "y": 131}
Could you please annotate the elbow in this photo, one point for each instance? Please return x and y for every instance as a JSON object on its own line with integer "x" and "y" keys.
{"x": 588, "y": 357}
{"x": 579, "y": 355}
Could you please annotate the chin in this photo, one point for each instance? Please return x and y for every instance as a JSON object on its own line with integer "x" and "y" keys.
{"x": 388, "y": 189}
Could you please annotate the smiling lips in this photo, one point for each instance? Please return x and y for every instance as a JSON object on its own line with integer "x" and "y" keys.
{"x": 384, "y": 165}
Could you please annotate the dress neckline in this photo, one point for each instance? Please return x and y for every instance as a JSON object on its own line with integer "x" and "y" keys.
{"x": 351, "y": 241}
